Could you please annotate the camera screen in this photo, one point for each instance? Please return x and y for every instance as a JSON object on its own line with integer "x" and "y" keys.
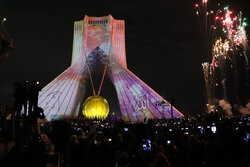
{"x": 213, "y": 129}
{"x": 146, "y": 145}
{"x": 247, "y": 136}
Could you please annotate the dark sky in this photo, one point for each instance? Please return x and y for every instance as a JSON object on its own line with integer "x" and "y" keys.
{"x": 164, "y": 45}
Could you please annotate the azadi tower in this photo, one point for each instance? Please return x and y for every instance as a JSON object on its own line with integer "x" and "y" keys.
{"x": 96, "y": 40}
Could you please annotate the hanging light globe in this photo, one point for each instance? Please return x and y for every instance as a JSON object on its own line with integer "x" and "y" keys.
{"x": 95, "y": 107}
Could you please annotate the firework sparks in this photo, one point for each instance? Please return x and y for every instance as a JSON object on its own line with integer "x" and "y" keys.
{"x": 221, "y": 48}
{"x": 234, "y": 27}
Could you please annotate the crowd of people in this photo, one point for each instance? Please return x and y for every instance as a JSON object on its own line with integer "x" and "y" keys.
{"x": 205, "y": 140}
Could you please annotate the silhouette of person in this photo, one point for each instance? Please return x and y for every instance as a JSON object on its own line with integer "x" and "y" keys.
{"x": 24, "y": 96}
{"x": 17, "y": 99}
{"x": 35, "y": 114}
{"x": 33, "y": 94}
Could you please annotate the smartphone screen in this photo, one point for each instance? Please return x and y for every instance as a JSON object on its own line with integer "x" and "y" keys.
{"x": 146, "y": 144}
{"x": 201, "y": 130}
{"x": 213, "y": 129}
{"x": 247, "y": 136}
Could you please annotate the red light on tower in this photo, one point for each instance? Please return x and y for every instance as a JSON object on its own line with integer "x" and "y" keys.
{"x": 205, "y": 1}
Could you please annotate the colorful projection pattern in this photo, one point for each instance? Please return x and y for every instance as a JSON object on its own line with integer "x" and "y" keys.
{"x": 94, "y": 39}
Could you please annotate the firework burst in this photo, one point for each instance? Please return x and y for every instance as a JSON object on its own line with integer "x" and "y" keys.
{"x": 226, "y": 39}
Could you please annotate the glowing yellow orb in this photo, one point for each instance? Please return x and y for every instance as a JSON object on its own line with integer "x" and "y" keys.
{"x": 95, "y": 107}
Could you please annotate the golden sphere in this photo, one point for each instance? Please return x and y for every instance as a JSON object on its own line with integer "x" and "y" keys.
{"x": 95, "y": 107}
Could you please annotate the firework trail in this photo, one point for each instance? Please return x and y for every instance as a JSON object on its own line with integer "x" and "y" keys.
{"x": 207, "y": 29}
{"x": 208, "y": 77}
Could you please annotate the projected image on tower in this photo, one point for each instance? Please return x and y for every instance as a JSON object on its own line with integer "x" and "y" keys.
{"x": 99, "y": 45}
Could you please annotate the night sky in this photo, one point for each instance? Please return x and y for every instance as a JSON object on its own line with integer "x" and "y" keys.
{"x": 164, "y": 44}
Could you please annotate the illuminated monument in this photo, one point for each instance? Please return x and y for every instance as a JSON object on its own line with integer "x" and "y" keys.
{"x": 94, "y": 39}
